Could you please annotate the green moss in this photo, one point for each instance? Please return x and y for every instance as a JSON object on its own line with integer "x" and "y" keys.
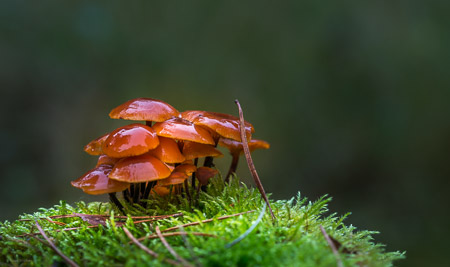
{"x": 294, "y": 240}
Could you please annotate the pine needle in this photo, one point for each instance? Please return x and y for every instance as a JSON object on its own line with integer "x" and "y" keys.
{"x": 170, "y": 249}
{"x": 332, "y": 246}
{"x": 248, "y": 156}
{"x": 69, "y": 261}
{"x": 144, "y": 248}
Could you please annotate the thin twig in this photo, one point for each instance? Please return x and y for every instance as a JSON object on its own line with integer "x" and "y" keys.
{"x": 249, "y": 230}
{"x": 144, "y": 248}
{"x": 207, "y": 221}
{"x": 248, "y": 156}
{"x": 103, "y": 215}
{"x": 177, "y": 234}
{"x": 69, "y": 261}
{"x": 154, "y": 218}
{"x": 170, "y": 249}
{"x": 332, "y": 246}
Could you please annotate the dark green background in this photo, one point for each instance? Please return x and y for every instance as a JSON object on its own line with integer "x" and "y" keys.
{"x": 352, "y": 95}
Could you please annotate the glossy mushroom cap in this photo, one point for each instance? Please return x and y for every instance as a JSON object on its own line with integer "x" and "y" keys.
{"x": 167, "y": 151}
{"x": 181, "y": 129}
{"x": 130, "y": 140}
{"x": 94, "y": 147}
{"x": 173, "y": 179}
{"x": 144, "y": 109}
{"x": 235, "y": 147}
{"x": 192, "y": 150}
{"x": 223, "y": 124}
{"x": 187, "y": 169}
{"x": 204, "y": 174}
{"x": 105, "y": 160}
{"x": 96, "y": 182}
{"x": 160, "y": 190}
{"x": 139, "y": 169}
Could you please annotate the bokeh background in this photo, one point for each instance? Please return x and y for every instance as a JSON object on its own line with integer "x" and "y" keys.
{"x": 352, "y": 95}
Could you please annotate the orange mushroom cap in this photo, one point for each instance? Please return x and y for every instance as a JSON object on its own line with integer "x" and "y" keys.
{"x": 192, "y": 150}
{"x": 204, "y": 174}
{"x": 181, "y": 129}
{"x": 144, "y": 109}
{"x": 130, "y": 140}
{"x": 235, "y": 147}
{"x": 173, "y": 179}
{"x": 105, "y": 160}
{"x": 139, "y": 169}
{"x": 167, "y": 151}
{"x": 160, "y": 190}
{"x": 188, "y": 169}
{"x": 96, "y": 182}
{"x": 223, "y": 124}
{"x": 94, "y": 147}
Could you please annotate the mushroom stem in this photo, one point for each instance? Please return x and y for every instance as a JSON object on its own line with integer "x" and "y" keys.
{"x": 136, "y": 193}
{"x": 143, "y": 187}
{"x": 131, "y": 191}
{"x": 126, "y": 195}
{"x": 194, "y": 173}
{"x": 113, "y": 198}
{"x": 149, "y": 187}
{"x": 233, "y": 167}
{"x": 209, "y": 160}
{"x": 148, "y": 123}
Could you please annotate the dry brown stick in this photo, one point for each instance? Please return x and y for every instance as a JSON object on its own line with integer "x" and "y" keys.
{"x": 248, "y": 156}
{"x": 144, "y": 248}
{"x": 106, "y": 215}
{"x": 332, "y": 246}
{"x": 206, "y": 221}
{"x": 170, "y": 249}
{"x": 69, "y": 261}
{"x": 94, "y": 226}
{"x": 177, "y": 234}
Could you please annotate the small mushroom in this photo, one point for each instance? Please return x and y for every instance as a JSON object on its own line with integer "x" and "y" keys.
{"x": 144, "y": 109}
{"x": 105, "y": 160}
{"x": 160, "y": 190}
{"x": 94, "y": 147}
{"x": 167, "y": 151}
{"x": 96, "y": 181}
{"x": 192, "y": 150}
{"x": 138, "y": 169}
{"x": 130, "y": 140}
{"x": 236, "y": 150}
{"x": 175, "y": 178}
{"x": 181, "y": 129}
{"x": 204, "y": 174}
{"x": 223, "y": 124}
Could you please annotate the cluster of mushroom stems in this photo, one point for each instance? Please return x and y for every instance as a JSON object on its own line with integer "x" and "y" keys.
{"x": 160, "y": 156}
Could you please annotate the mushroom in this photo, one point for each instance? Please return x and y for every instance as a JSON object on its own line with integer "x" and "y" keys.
{"x": 181, "y": 129}
{"x": 223, "y": 124}
{"x": 193, "y": 150}
{"x": 144, "y": 109}
{"x": 96, "y": 182}
{"x": 203, "y": 176}
{"x": 104, "y": 159}
{"x": 94, "y": 147}
{"x": 130, "y": 140}
{"x": 167, "y": 151}
{"x": 139, "y": 169}
{"x": 236, "y": 150}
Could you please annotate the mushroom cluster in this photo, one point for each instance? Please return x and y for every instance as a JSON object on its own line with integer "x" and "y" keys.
{"x": 158, "y": 157}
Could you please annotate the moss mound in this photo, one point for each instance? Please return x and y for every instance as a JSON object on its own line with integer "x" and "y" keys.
{"x": 294, "y": 240}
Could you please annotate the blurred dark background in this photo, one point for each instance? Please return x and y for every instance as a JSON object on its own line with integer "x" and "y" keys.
{"x": 352, "y": 95}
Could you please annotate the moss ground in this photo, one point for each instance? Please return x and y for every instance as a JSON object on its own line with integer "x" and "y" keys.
{"x": 294, "y": 239}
